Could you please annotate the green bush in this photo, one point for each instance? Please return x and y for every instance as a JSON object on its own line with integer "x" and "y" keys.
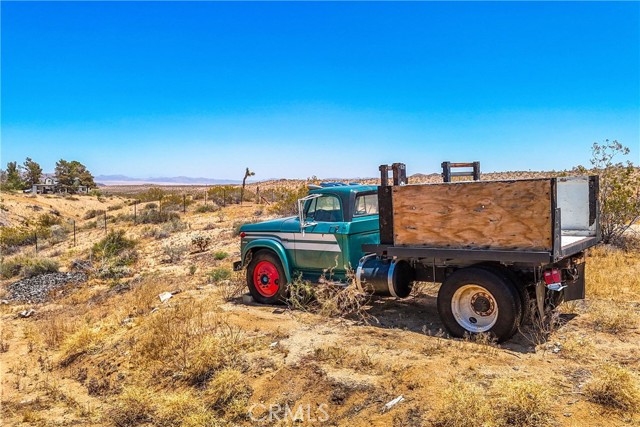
{"x": 218, "y": 274}
{"x": 26, "y": 266}
{"x": 92, "y": 213}
{"x": 207, "y": 208}
{"x": 152, "y": 216}
{"x": 46, "y": 220}
{"x": 288, "y": 201}
{"x": 220, "y": 255}
{"x": 113, "y": 244}
{"x": 16, "y": 236}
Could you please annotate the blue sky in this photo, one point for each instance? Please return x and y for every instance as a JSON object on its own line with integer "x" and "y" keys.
{"x": 327, "y": 89}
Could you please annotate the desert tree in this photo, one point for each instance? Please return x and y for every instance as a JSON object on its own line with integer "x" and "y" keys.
{"x": 247, "y": 174}
{"x": 12, "y": 178}
{"x": 32, "y": 172}
{"x": 619, "y": 189}
{"x": 71, "y": 173}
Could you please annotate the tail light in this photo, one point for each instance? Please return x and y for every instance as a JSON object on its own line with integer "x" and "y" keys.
{"x": 242, "y": 235}
{"x": 552, "y": 275}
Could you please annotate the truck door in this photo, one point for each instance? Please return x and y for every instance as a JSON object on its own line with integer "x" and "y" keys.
{"x": 318, "y": 248}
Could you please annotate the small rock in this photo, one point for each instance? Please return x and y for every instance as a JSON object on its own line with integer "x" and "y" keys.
{"x": 247, "y": 299}
{"x": 26, "y": 313}
{"x": 567, "y": 414}
{"x": 273, "y": 344}
{"x": 4, "y": 302}
{"x": 154, "y": 309}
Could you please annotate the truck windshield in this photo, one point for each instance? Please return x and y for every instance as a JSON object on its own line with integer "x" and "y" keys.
{"x": 324, "y": 209}
{"x": 366, "y": 204}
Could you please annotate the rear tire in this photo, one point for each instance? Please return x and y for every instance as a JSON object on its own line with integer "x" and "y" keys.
{"x": 266, "y": 278}
{"x": 476, "y": 300}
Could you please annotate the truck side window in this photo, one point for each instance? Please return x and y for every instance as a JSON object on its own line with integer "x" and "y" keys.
{"x": 324, "y": 209}
{"x": 366, "y": 204}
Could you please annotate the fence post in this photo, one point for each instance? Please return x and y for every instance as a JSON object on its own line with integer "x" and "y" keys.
{"x": 257, "y": 194}
{"x": 184, "y": 203}
{"x": 135, "y": 212}
{"x": 105, "y": 222}
{"x": 35, "y": 234}
{"x": 74, "y": 232}
{"x": 224, "y": 197}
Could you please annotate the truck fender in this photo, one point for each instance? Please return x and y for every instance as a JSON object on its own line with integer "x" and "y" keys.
{"x": 274, "y": 246}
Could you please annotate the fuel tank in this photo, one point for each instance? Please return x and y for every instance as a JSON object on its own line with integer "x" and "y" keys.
{"x": 384, "y": 276}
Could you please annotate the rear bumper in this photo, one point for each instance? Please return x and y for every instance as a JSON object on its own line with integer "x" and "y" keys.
{"x": 237, "y": 265}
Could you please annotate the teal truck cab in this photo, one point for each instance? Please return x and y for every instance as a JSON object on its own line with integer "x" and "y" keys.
{"x": 325, "y": 239}
{"x": 500, "y": 249}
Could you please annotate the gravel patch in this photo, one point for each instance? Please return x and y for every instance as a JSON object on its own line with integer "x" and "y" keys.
{"x": 36, "y": 289}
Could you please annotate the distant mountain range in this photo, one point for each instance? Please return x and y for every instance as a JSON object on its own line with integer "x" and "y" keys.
{"x": 183, "y": 180}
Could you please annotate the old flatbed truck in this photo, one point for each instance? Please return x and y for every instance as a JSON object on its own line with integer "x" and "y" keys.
{"x": 496, "y": 247}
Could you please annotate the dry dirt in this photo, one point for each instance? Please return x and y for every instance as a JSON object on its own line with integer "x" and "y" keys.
{"x": 80, "y": 359}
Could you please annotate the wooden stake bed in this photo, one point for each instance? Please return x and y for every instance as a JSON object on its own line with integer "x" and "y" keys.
{"x": 529, "y": 220}
{"x": 498, "y": 215}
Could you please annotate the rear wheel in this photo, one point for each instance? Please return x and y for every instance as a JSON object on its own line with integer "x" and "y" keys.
{"x": 266, "y": 279}
{"x": 476, "y": 300}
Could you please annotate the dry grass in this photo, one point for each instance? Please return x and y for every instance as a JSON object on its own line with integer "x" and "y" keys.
{"x": 614, "y": 387}
{"x": 613, "y": 274}
{"x": 464, "y": 405}
{"x": 613, "y": 317}
{"x": 87, "y": 339}
{"x": 508, "y": 402}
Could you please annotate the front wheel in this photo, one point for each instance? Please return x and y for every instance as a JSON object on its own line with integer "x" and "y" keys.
{"x": 266, "y": 279}
{"x": 476, "y": 300}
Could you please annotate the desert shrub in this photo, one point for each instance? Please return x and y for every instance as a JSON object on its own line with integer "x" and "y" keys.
{"x": 192, "y": 270}
{"x": 218, "y": 274}
{"x": 173, "y": 253}
{"x": 92, "y": 213}
{"x": 464, "y": 404}
{"x": 27, "y": 266}
{"x": 111, "y": 271}
{"x": 177, "y": 408}
{"x": 288, "y": 201}
{"x": 207, "y": 208}
{"x": 338, "y": 301}
{"x": 613, "y": 318}
{"x": 232, "y": 288}
{"x": 84, "y": 340}
{"x": 151, "y": 206}
{"x": 174, "y": 226}
{"x": 152, "y": 216}
{"x": 38, "y": 266}
{"x": 153, "y": 232}
{"x": 113, "y": 244}
{"x": 302, "y": 295}
{"x": 16, "y": 236}
{"x": 115, "y": 207}
{"x": 228, "y": 393}
{"x": 134, "y": 406}
{"x": 46, "y": 220}
{"x": 619, "y": 190}
{"x": 614, "y": 387}
{"x": 58, "y": 234}
{"x": 220, "y": 255}
{"x": 523, "y": 403}
{"x": 201, "y": 242}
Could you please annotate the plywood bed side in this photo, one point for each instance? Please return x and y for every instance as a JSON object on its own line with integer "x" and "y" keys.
{"x": 513, "y": 215}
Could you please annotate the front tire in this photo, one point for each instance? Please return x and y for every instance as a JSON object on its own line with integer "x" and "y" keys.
{"x": 476, "y": 300}
{"x": 266, "y": 278}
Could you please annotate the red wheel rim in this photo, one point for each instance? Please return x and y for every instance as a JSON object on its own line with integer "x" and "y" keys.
{"x": 266, "y": 279}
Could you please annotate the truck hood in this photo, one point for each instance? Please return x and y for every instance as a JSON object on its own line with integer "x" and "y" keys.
{"x": 280, "y": 224}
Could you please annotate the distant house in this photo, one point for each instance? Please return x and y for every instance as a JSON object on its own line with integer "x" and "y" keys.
{"x": 51, "y": 186}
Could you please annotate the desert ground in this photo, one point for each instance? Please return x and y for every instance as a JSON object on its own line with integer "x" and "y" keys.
{"x": 106, "y": 351}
